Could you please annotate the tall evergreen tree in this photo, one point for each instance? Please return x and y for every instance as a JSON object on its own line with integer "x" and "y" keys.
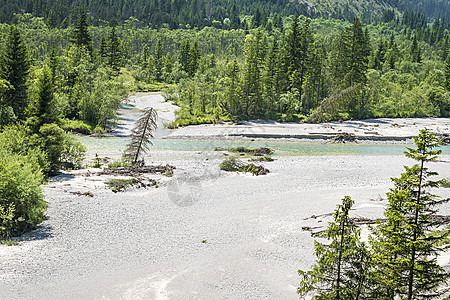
{"x": 184, "y": 55}
{"x": 256, "y": 19}
{"x": 408, "y": 243}
{"x": 14, "y": 68}
{"x": 232, "y": 91}
{"x": 235, "y": 21}
{"x": 341, "y": 269}
{"x": 194, "y": 59}
{"x": 159, "y": 63}
{"x": 415, "y": 52}
{"x": 44, "y": 109}
{"x": 80, "y": 35}
{"x": 114, "y": 52}
{"x": 251, "y": 84}
{"x": 447, "y": 73}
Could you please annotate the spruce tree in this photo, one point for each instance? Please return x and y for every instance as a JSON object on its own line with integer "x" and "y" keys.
{"x": 341, "y": 270}
{"x": 14, "y": 68}
{"x": 184, "y": 55}
{"x": 80, "y": 35}
{"x": 407, "y": 244}
{"x": 194, "y": 59}
{"x": 140, "y": 135}
{"x": 158, "y": 65}
{"x": 235, "y": 22}
{"x": 44, "y": 106}
{"x": 114, "y": 52}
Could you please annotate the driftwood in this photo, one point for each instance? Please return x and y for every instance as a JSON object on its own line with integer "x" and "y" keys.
{"x": 444, "y": 138}
{"x": 88, "y": 194}
{"x": 138, "y": 170}
{"x": 344, "y": 137}
{"x": 317, "y": 230}
{"x": 261, "y": 151}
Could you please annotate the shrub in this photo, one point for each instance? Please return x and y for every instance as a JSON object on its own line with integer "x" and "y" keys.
{"x": 73, "y": 153}
{"x": 53, "y": 142}
{"x": 231, "y": 164}
{"x": 119, "y": 185}
{"x": 21, "y": 198}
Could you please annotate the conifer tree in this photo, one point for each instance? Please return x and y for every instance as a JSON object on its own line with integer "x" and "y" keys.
{"x": 341, "y": 271}
{"x": 158, "y": 64}
{"x": 14, "y": 68}
{"x": 114, "y": 52}
{"x": 194, "y": 59}
{"x": 140, "y": 135}
{"x": 80, "y": 34}
{"x": 407, "y": 244}
{"x": 235, "y": 22}
{"x": 183, "y": 55}
{"x": 415, "y": 52}
{"x": 44, "y": 106}
{"x": 232, "y": 93}
{"x": 447, "y": 73}
{"x": 257, "y": 18}
{"x": 299, "y": 42}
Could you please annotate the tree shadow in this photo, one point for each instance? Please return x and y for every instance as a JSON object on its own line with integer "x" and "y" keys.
{"x": 42, "y": 232}
{"x": 62, "y": 177}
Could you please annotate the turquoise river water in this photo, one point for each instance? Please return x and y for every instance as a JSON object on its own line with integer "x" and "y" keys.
{"x": 114, "y": 146}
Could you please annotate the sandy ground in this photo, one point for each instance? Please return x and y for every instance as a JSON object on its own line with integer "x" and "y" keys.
{"x": 202, "y": 234}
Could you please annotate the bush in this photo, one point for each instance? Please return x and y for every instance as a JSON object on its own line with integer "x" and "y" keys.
{"x": 17, "y": 139}
{"x": 53, "y": 142}
{"x": 21, "y": 199}
{"x": 73, "y": 153}
{"x": 231, "y": 164}
{"x": 76, "y": 126}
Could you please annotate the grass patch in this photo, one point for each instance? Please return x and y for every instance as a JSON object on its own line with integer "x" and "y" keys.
{"x": 264, "y": 158}
{"x": 76, "y": 126}
{"x": 9, "y": 243}
{"x": 255, "y": 151}
{"x": 118, "y": 164}
{"x": 144, "y": 87}
{"x": 119, "y": 185}
{"x": 231, "y": 164}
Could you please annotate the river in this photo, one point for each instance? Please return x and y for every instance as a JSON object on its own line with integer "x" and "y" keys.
{"x": 164, "y": 146}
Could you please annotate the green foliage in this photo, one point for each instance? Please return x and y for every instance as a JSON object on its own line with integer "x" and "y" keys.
{"x": 408, "y": 244}
{"x": 19, "y": 140}
{"x": 9, "y": 242}
{"x": 231, "y": 164}
{"x": 21, "y": 200}
{"x": 341, "y": 271}
{"x": 140, "y": 136}
{"x": 53, "y": 140}
{"x": 73, "y": 153}
{"x": 119, "y": 185}
{"x": 118, "y": 164}
{"x": 76, "y": 126}
{"x": 14, "y": 69}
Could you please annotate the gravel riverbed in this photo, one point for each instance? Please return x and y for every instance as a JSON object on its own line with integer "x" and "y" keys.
{"x": 203, "y": 234}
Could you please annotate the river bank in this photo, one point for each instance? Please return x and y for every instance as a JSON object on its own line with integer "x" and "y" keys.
{"x": 204, "y": 234}
{"x": 201, "y": 234}
{"x": 382, "y": 130}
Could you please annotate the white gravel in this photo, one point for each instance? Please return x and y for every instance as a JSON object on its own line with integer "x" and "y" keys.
{"x": 147, "y": 244}
{"x": 371, "y": 130}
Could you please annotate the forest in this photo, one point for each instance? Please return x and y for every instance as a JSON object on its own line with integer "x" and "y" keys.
{"x": 65, "y": 67}
{"x": 56, "y": 80}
